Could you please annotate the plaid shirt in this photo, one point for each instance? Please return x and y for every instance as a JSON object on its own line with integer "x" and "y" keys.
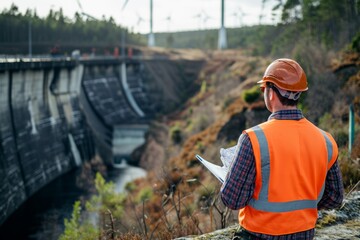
{"x": 239, "y": 185}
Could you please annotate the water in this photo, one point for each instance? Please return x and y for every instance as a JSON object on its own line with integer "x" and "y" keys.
{"x": 124, "y": 175}
{"x": 42, "y": 216}
{"x": 126, "y": 138}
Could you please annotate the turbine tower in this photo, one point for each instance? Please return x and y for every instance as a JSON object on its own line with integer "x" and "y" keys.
{"x": 222, "y": 42}
{"x": 151, "y": 38}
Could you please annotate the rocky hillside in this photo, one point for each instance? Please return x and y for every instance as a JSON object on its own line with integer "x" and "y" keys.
{"x": 179, "y": 197}
{"x": 185, "y": 195}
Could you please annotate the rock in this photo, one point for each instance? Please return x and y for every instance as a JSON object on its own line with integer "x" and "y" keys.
{"x": 222, "y": 234}
{"x": 345, "y": 223}
{"x": 342, "y": 223}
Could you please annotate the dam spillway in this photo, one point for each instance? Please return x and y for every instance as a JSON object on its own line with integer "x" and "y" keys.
{"x": 57, "y": 113}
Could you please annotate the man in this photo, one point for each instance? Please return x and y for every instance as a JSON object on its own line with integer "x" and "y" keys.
{"x": 284, "y": 169}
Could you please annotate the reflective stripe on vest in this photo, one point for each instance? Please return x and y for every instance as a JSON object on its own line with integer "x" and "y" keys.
{"x": 262, "y": 203}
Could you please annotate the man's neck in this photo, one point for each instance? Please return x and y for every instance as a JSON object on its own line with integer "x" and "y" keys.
{"x": 283, "y": 107}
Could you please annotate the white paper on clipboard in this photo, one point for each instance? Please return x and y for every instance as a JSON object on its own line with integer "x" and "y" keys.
{"x": 218, "y": 171}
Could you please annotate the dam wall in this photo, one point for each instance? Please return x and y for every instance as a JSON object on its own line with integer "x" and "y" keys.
{"x": 43, "y": 132}
{"x": 57, "y": 113}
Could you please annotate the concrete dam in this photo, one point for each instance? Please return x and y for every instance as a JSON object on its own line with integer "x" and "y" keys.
{"x": 56, "y": 113}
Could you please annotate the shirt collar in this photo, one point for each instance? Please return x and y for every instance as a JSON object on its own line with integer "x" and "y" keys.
{"x": 294, "y": 114}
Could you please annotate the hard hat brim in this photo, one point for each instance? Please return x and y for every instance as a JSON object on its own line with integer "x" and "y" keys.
{"x": 262, "y": 83}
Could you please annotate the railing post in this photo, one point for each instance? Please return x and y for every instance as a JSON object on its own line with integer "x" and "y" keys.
{"x": 351, "y": 127}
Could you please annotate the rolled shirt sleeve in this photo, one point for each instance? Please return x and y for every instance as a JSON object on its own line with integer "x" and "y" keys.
{"x": 334, "y": 189}
{"x": 239, "y": 184}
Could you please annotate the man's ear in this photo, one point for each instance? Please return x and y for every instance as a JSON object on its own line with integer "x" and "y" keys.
{"x": 271, "y": 94}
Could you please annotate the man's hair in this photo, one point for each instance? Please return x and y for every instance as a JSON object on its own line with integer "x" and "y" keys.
{"x": 285, "y": 101}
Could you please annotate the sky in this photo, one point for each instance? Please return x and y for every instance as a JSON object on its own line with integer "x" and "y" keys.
{"x": 168, "y": 15}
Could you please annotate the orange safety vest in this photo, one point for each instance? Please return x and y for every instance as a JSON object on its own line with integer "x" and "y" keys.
{"x": 292, "y": 158}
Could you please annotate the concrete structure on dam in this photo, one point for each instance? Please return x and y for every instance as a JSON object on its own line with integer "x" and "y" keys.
{"x": 59, "y": 112}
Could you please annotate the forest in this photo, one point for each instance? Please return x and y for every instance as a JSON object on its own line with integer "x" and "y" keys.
{"x": 329, "y": 23}
{"x": 59, "y": 33}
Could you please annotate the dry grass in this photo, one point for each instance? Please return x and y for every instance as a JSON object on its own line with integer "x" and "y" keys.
{"x": 184, "y": 198}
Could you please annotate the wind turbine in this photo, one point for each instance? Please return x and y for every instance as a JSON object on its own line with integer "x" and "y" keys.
{"x": 198, "y": 16}
{"x": 206, "y": 18}
{"x": 168, "y": 19}
{"x": 86, "y": 14}
{"x": 238, "y": 16}
{"x": 123, "y": 73}
{"x": 123, "y": 66}
{"x": 124, "y": 5}
{"x": 235, "y": 15}
{"x": 139, "y": 20}
{"x": 242, "y": 15}
{"x": 151, "y": 39}
{"x": 222, "y": 42}
{"x": 261, "y": 15}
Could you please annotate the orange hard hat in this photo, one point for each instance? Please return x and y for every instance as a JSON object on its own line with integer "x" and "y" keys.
{"x": 286, "y": 74}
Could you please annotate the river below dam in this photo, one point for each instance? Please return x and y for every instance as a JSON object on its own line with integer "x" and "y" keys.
{"x": 42, "y": 215}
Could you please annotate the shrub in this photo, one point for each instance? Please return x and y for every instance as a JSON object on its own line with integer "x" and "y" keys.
{"x": 341, "y": 138}
{"x": 355, "y": 153}
{"x": 75, "y": 230}
{"x": 203, "y": 87}
{"x": 130, "y": 236}
{"x": 206, "y": 196}
{"x": 106, "y": 198}
{"x": 200, "y": 146}
{"x": 130, "y": 187}
{"x": 145, "y": 194}
{"x": 251, "y": 95}
{"x": 201, "y": 122}
{"x": 349, "y": 169}
{"x": 176, "y": 134}
{"x": 355, "y": 44}
{"x": 327, "y": 220}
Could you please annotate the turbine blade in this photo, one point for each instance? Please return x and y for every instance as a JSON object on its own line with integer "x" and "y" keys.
{"x": 124, "y": 5}
{"x": 80, "y": 6}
